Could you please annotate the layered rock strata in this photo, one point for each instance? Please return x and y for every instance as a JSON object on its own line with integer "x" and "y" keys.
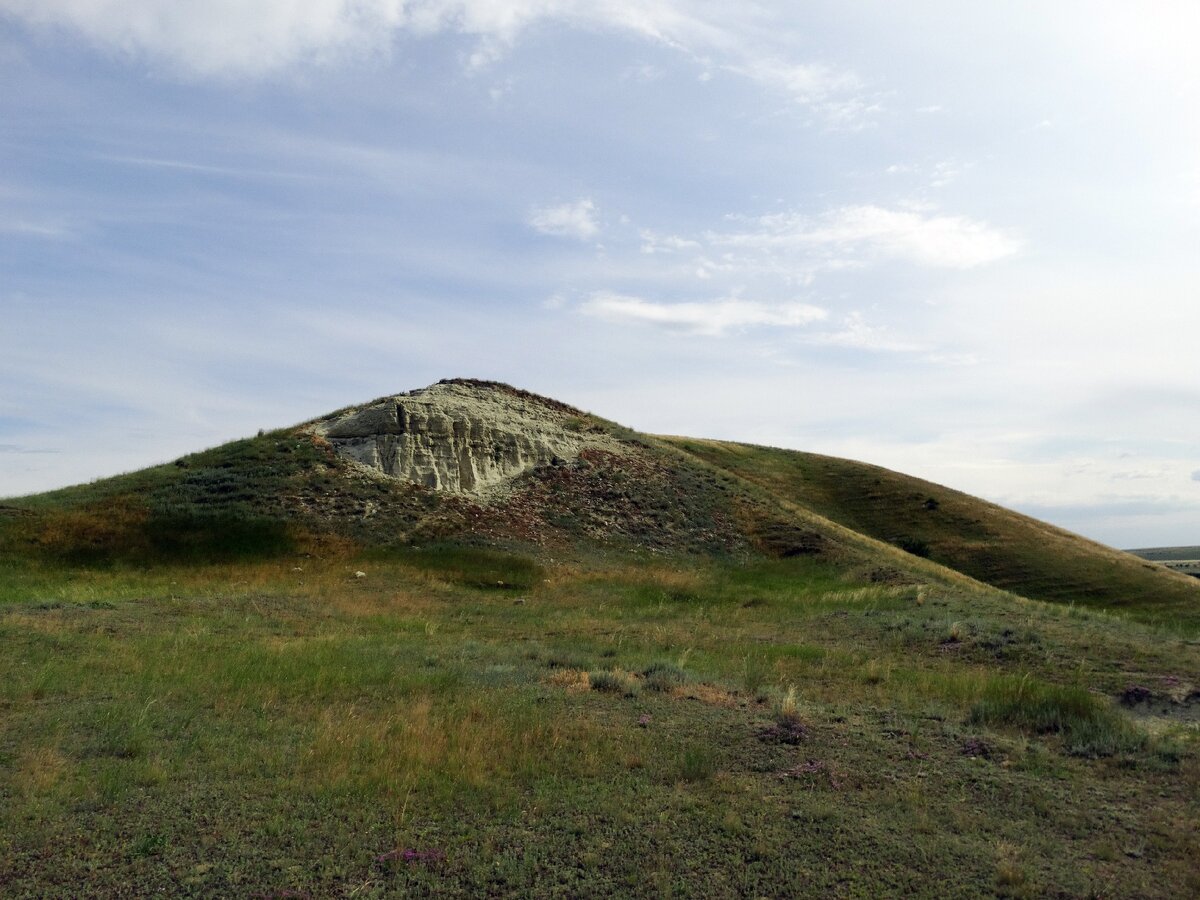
{"x": 461, "y": 437}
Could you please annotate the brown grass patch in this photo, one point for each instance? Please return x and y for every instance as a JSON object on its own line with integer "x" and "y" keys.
{"x": 706, "y": 693}
{"x": 464, "y": 742}
{"x": 570, "y": 679}
{"x": 39, "y": 770}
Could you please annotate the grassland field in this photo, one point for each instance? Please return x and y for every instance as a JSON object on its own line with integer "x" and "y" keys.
{"x": 696, "y": 670}
{"x": 460, "y": 721}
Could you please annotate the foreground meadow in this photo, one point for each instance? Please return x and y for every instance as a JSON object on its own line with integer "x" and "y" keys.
{"x": 463, "y": 721}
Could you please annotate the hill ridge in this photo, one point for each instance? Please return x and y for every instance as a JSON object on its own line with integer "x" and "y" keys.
{"x": 477, "y": 460}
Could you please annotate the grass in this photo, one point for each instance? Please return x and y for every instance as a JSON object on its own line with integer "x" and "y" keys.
{"x": 989, "y": 543}
{"x": 315, "y": 722}
{"x": 256, "y": 671}
{"x": 1088, "y": 724}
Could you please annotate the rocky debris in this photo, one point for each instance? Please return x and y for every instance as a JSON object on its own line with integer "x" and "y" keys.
{"x": 462, "y": 437}
{"x": 976, "y": 748}
{"x": 1135, "y": 694}
{"x": 786, "y": 539}
{"x": 784, "y": 731}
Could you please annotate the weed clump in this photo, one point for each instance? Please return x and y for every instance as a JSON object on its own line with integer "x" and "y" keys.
{"x": 915, "y": 546}
{"x": 788, "y": 728}
{"x": 696, "y": 763}
{"x": 664, "y": 677}
{"x": 756, "y": 670}
{"x": 612, "y": 682}
{"x": 1088, "y": 725}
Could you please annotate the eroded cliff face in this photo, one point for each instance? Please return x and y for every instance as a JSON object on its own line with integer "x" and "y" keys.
{"x": 461, "y": 437}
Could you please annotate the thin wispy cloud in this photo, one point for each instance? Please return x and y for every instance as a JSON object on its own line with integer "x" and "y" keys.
{"x": 227, "y": 39}
{"x": 184, "y": 165}
{"x": 235, "y": 38}
{"x": 797, "y": 246}
{"x": 838, "y": 95}
{"x": 570, "y": 220}
{"x": 855, "y": 332}
{"x": 712, "y": 318}
{"x": 29, "y": 228}
{"x": 868, "y": 232}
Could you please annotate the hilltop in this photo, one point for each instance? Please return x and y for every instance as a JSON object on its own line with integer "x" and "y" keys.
{"x": 485, "y": 462}
{"x": 470, "y": 641}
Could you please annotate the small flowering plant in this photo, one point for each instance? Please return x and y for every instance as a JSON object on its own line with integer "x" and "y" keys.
{"x": 409, "y": 856}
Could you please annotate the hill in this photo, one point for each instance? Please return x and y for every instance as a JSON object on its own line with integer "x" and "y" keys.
{"x": 469, "y": 641}
{"x": 995, "y": 545}
{"x": 1184, "y": 560}
{"x": 471, "y": 460}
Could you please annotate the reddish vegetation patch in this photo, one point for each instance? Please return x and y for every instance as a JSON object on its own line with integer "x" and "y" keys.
{"x": 784, "y": 732}
{"x": 631, "y": 496}
{"x": 976, "y": 747}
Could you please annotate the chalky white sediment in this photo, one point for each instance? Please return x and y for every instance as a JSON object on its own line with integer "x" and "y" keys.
{"x": 459, "y": 438}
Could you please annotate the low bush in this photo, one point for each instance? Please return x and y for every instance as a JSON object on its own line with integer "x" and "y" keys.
{"x": 697, "y": 763}
{"x": 915, "y": 546}
{"x": 611, "y": 682}
{"x": 1088, "y": 724}
{"x": 664, "y": 676}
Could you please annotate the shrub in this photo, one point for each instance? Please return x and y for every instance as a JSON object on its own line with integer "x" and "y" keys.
{"x": 756, "y": 670}
{"x": 663, "y": 676}
{"x": 1088, "y": 725}
{"x": 915, "y": 546}
{"x": 696, "y": 763}
{"x": 611, "y": 682}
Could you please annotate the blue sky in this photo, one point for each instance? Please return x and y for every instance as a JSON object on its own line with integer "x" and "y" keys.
{"x": 953, "y": 240}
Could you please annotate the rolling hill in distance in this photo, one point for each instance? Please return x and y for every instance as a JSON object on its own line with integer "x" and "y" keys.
{"x": 467, "y": 640}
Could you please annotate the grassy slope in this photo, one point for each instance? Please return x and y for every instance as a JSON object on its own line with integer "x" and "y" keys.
{"x": 187, "y": 713}
{"x": 987, "y": 542}
{"x": 286, "y": 728}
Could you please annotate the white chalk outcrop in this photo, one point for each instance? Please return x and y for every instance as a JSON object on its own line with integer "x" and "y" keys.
{"x": 462, "y": 437}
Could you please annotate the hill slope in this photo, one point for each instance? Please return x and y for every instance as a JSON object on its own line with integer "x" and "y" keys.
{"x": 487, "y": 462}
{"x": 470, "y": 642}
{"x": 980, "y": 539}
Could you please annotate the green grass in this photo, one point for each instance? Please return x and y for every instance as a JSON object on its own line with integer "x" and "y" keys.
{"x": 1088, "y": 724}
{"x": 697, "y": 669}
{"x": 994, "y": 545}
{"x": 265, "y": 726}
{"x": 477, "y": 567}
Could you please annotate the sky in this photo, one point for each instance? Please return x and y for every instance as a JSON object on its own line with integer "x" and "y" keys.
{"x": 960, "y": 240}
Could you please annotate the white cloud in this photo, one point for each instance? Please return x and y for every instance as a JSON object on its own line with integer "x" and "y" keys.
{"x": 232, "y": 38}
{"x": 32, "y": 229}
{"x": 574, "y": 220}
{"x": 1196, "y": 475}
{"x": 861, "y": 232}
{"x": 835, "y": 94}
{"x": 222, "y": 36}
{"x": 235, "y": 37}
{"x": 858, "y": 334}
{"x": 807, "y": 82}
{"x": 653, "y": 242}
{"x": 709, "y": 318}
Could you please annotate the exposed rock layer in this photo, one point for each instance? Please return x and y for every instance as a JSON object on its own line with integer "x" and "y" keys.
{"x": 461, "y": 437}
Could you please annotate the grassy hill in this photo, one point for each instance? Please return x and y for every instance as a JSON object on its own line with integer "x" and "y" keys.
{"x": 992, "y": 544}
{"x": 668, "y": 668}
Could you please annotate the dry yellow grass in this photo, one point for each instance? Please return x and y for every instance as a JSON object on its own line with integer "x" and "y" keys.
{"x": 40, "y": 769}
